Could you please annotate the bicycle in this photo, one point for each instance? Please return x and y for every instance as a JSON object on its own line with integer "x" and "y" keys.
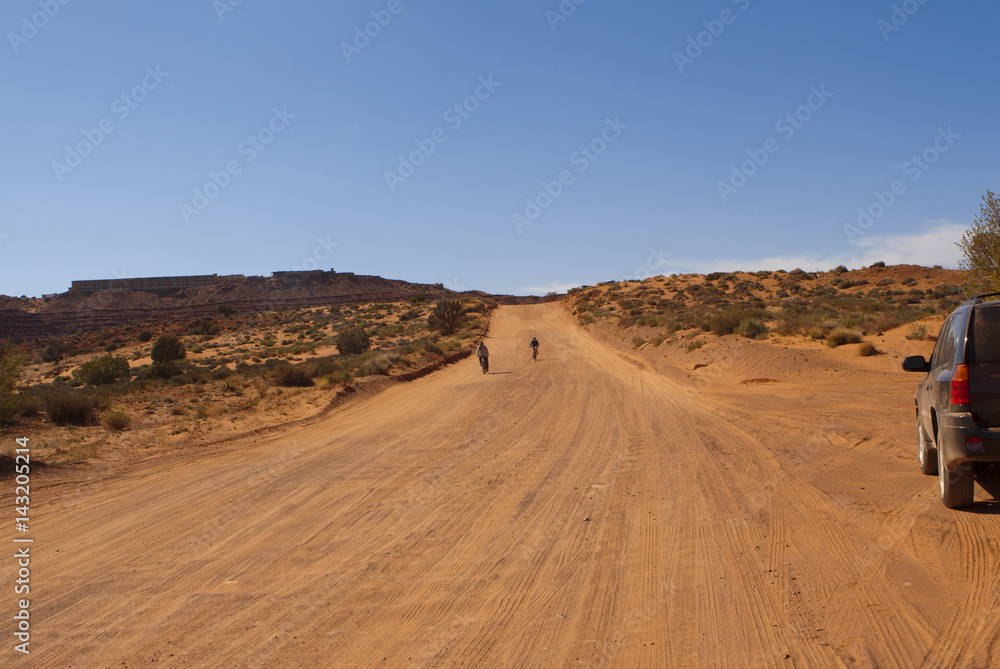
{"x": 484, "y": 360}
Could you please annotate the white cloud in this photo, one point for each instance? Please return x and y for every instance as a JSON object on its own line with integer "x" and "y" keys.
{"x": 553, "y": 287}
{"x": 934, "y": 245}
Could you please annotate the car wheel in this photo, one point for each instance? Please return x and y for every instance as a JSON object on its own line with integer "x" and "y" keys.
{"x": 928, "y": 456}
{"x": 956, "y": 489}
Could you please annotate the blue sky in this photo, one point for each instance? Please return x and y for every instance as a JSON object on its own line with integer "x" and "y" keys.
{"x": 609, "y": 140}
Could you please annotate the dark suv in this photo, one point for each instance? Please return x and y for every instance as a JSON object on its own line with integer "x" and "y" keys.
{"x": 958, "y": 402}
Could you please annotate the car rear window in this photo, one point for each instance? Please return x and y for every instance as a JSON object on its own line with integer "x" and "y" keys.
{"x": 984, "y": 344}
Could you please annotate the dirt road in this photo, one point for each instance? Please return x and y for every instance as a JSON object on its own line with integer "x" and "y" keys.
{"x": 581, "y": 510}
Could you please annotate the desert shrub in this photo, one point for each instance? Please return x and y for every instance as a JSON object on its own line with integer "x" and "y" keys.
{"x": 637, "y": 342}
{"x": 751, "y": 328}
{"x": 353, "y": 340}
{"x": 53, "y": 350}
{"x": 69, "y": 407}
{"x": 117, "y": 420}
{"x": 867, "y": 350}
{"x": 446, "y": 317}
{"x": 726, "y": 321}
{"x": 695, "y": 345}
{"x": 145, "y": 336}
{"x": 918, "y": 331}
{"x": 378, "y": 365}
{"x": 908, "y": 281}
{"x": 168, "y": 348}
{"x": 842, "y": 336}
{"x": 11, "y": 369}
{"x": 225, "y": 310}
{"x": 947, "y": 289}
{"x": 291, "y": 376}
{"x": 206, "y": 326}
{"x": 839, "y": 269}
{"x": 424, "y": 345}
{"x": 164, "y": 370}
{"x": 880, "y": 263}
{"x": 104, "y": 370}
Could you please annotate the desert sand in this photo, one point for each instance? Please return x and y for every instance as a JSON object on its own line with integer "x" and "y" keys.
{"x": 584, "y": 510}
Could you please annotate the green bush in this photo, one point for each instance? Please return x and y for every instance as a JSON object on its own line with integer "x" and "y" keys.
{"x": 842, "y": 336}
{"x": 117, "y": 420}
{"x": 291, "y": 376}
{"x": 164, "y": 370}
{"x": 751, "y": 328}
{"x": 206, "y": 326}
{"x": 104, "y": 370}
{"x": 168, "y": 348}
{"x": 353, "y": 341}
{"x": 726, "y": 321}
{"x": 145, "y": 336}
{"x": 70, "y": 407}
{"x": 11, "y": 369}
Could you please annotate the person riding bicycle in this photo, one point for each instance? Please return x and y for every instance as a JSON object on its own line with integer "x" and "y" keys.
{"x": 534, "y": 348}
{"x": 483, "y": 354}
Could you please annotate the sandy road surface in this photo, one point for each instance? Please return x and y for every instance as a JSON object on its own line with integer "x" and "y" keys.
{"x": 578, "y": 511}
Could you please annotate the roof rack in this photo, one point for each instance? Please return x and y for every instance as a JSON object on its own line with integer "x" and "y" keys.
{"x": 979, "y": 298}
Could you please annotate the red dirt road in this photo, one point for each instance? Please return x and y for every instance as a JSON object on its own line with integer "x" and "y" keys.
{"x": 580, "y": 511}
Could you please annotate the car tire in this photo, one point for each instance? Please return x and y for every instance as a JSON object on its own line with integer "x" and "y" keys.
{"x": 928, "y": 456}
{"x": 957, "y": 490}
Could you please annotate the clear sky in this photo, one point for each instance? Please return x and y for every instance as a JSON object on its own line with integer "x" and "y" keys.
{"x": 506, "y": 146}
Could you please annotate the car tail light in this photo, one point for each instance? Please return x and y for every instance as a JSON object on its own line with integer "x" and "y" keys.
{"x": 960, "y": 385}
{"x": 974, "y": 444}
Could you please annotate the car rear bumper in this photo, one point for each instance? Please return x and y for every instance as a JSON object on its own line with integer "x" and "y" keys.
{"x": 954, "y": 430}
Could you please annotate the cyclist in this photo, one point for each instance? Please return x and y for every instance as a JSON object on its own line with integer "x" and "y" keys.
{"x": 483, "y": 354}
{"x": 534, "y": 348}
